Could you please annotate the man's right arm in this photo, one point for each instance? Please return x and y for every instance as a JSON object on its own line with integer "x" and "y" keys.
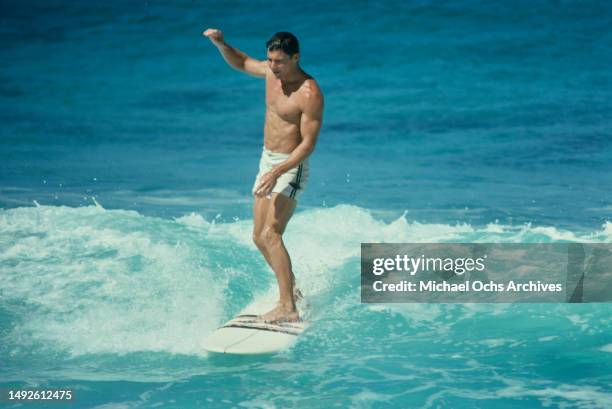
{"x": 236, "y": 58}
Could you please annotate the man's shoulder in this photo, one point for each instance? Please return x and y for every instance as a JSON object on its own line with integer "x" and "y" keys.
{"x": 311, "y": 91}
{"x": 311, "y": 84}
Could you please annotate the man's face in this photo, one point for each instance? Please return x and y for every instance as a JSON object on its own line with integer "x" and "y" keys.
{"x": 280, "y": 63}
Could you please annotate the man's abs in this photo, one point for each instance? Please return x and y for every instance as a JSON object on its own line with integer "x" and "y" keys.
{"x": 280, "y": 135}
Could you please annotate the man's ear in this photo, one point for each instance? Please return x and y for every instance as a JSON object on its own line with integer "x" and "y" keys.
{"x": 296, "y": 57}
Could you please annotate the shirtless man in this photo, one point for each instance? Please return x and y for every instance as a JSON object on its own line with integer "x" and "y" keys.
{"x": 294, "y": 111}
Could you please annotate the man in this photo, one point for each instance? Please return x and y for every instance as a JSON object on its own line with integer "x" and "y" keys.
{"x": 294, "y": 111}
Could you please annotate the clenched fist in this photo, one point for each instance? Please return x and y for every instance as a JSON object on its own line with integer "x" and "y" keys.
{"x": 215, "y": 36}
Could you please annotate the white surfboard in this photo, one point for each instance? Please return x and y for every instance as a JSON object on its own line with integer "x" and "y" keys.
{"x": 246, "y": 335}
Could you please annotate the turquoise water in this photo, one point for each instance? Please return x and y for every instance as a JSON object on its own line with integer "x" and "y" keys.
{"x": 128, "y": 150}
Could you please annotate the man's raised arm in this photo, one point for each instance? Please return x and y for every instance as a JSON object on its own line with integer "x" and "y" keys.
{"x": 234, "y": 57}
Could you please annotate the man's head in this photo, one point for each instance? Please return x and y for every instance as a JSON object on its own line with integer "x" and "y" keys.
{"x": 283, "y": 54}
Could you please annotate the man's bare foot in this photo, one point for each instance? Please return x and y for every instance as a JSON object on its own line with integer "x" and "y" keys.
{"x": 280, "y": 313}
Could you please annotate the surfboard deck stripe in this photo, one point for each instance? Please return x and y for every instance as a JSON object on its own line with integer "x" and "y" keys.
{"x": 264, "y": 328}
{"x": 256, "y": 319}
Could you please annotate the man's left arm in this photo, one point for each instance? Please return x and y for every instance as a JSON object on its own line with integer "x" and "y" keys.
{"x": 310, "y": 124}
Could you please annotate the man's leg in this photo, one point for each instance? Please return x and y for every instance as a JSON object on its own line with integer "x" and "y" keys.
{"x": 267, "y": 234}
{"x": 260, "y": 211}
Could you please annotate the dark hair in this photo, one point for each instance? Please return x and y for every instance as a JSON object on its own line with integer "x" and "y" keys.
{"x": 284, "y": 41}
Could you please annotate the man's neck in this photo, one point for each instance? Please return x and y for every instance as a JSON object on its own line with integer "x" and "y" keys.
{"x": 292, "y": 78}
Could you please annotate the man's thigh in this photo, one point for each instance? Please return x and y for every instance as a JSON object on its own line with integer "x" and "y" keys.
{"x": 280, "y": 210}
{"x": 260, "y": 213}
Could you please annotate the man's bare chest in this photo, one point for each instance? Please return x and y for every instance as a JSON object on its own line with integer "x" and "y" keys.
{"x": 283, "y": 103}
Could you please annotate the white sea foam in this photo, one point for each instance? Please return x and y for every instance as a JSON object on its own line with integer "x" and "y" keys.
{"x": 96, "y": 281}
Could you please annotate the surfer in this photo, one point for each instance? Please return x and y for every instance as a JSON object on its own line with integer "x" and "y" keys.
{"x": 294, "y": 113}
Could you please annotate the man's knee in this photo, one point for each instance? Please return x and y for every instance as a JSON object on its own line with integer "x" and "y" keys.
{"x": 258, "y": 239}
{"x": 270, "y": 236}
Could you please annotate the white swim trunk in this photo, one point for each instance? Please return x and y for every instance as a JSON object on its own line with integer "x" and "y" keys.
{"x": 290, "y": 183}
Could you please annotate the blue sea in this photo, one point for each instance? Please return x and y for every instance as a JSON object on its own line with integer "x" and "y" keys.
{"x": 128, "y": 149}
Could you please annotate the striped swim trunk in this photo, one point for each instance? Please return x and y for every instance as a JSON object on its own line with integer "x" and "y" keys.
{"x": 290, "y": 183}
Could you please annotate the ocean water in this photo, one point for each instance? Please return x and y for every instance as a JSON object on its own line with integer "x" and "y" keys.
{"x": 127, "y": 153}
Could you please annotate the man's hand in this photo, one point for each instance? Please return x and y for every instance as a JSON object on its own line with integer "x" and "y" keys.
{"x": 215, "y": 36}
{"x": 266, "y": 184}
{"x": 234, "y": 57}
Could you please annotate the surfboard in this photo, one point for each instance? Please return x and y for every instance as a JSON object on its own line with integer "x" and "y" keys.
{"x": 246, "y": 335}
